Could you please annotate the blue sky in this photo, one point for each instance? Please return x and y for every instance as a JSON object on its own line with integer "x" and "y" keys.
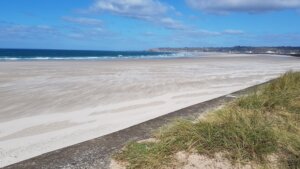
{"x": 144, "y": 24}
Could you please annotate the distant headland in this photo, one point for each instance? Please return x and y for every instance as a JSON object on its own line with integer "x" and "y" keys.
{"x": 283, "y": 50}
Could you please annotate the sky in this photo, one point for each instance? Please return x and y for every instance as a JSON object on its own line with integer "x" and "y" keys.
{"x": 144, "y": 24}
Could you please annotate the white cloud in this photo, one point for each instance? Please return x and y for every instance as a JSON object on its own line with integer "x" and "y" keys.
{"x": 83, "y": 21}
{"x": 221, "y": 6}
{"x": 233, "y": 32}
{"x": 171, "y": 23}
{"x": 143, "y": 9}
{"x": 148, "y": 10}
{"x": 204, "y": 32}
{"x": 90, "y": 33}
{"x": 8, "y": 30}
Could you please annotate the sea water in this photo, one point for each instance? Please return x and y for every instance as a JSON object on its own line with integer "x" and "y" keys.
{"x": 43, "y": 54}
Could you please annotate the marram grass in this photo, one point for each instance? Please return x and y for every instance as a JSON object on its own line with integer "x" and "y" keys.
{"x": 266, "y": 122}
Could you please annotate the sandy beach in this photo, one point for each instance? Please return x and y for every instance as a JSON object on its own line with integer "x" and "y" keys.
{"x": 47, "y": 105}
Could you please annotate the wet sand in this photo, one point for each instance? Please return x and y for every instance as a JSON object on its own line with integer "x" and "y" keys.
{"x": 52, "y": 104}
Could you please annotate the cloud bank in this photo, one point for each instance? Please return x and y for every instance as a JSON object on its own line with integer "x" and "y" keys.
{"x": 251, "y": 6}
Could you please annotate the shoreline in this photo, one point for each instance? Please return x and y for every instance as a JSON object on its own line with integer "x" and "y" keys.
{"x": 57, "y": 104}
{"x": 171, "y": 56}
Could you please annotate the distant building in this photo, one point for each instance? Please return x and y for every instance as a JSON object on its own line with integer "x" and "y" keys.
{"x": 270, "y": 52}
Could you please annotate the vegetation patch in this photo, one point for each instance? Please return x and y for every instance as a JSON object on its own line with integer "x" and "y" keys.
{"x": 248, "y": 130}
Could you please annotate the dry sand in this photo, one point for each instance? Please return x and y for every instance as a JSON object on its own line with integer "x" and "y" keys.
{"x": 53, "y": 104}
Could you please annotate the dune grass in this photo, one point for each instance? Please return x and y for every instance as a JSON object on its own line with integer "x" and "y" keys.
{"x": 251, "y": 128}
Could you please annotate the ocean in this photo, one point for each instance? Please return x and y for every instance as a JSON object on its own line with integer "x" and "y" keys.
{"x": 41, "y": 54}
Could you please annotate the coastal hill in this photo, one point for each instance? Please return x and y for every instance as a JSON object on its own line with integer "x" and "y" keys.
{"x": 236, "y": 49}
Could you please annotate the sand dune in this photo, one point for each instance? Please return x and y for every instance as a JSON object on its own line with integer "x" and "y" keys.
{"x": 53, "y": 104}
